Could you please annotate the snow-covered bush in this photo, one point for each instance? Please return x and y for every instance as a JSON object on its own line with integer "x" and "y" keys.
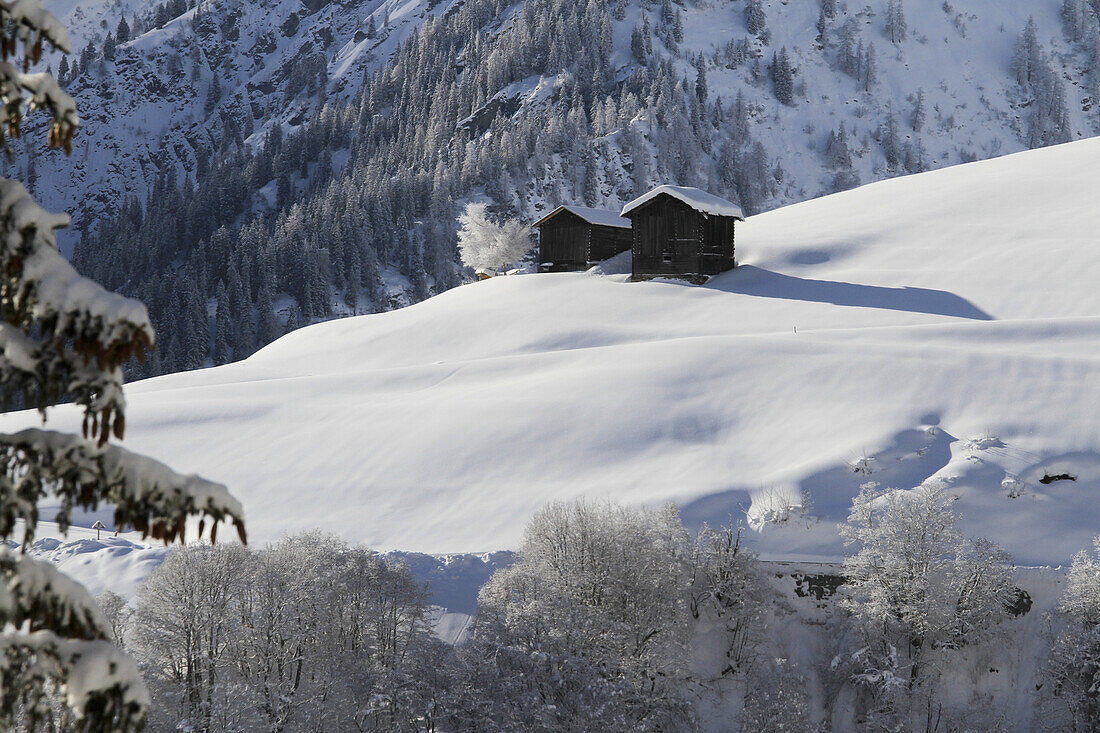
{"x": 64, "y": 337}
{"x": 917, "y": 591}
{"x": 485, "y": 244}
{"x": 1070, "y": 695}
{"x": 777, "y": 700}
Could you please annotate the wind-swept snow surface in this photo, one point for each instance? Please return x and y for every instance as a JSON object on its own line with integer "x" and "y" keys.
{"x": 939, "y": 327}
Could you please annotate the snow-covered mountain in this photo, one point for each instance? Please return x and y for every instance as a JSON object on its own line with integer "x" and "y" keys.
{"x": 167, "y": 97}
{"x": 171, "y": 98}
{"x": 938, "y": 327}
{"x": 369, "y": 125}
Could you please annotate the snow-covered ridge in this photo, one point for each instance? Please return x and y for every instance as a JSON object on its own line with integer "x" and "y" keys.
{"x": 151, "y": 111}
{"x": 912, "y": 330}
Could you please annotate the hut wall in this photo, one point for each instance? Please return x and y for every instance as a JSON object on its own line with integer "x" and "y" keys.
{"x": 717, "y": 252}
{"x": 607, "y": 242}
{"x": 667, "y": 238}
{"x": 671, "y": 238}
{"x": 564, "y": 241}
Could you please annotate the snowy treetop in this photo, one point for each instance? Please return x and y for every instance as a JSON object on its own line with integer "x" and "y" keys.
{"x": 696, "y": 198}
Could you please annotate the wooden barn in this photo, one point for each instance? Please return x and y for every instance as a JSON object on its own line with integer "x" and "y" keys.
{"x": 682, "y": 232}
{"x": 573, "y": 238}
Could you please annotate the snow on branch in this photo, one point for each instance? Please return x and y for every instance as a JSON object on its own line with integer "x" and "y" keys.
{"x": 147, "y": 495}
{"x": 30, "y": 17}
{"x": 62, "y": 334}
{"x": 35, "y": 593}
{"x": 29, "y": 22}
{"x": 102, "y": 686}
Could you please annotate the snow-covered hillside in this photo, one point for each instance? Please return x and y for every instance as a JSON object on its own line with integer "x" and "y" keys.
{"x": 230, "y": 69}
{"x": 944, "y": 327}
{"x": 150, "y": 111}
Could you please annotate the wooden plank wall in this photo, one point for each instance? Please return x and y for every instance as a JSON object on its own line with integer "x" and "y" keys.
{"x": 671, "y": 238}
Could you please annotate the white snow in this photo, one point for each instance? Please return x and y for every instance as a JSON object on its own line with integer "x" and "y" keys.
{"x": 697, "y": 199}
{"x": 878, "y": 334}
{"x": 600, "y": 217}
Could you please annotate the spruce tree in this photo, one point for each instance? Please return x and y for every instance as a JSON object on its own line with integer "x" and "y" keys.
{"x": 64, "y": 337}
{"x": 783, "y": 77}
{"x": 896, "y": 27}
{"x": 919, "y": 112}
{"x": 701, "y": 78}
{"x": 223, "y": 327}
{"x": 755, "y": 19}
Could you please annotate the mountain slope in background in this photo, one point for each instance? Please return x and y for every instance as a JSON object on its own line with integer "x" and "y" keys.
{"x": 228, "y": 71}
{"x": 217, "y": 73}
{"x": 290, "y": 164}
{"x": 942, "y": 327}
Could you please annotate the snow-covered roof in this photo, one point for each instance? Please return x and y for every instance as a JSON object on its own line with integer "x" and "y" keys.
{"x": 696, "y": 198}
{"x": 599, "y": 217}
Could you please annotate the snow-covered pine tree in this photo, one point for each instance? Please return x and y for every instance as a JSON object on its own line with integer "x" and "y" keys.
{"x": 783, "y": 77}
{"x": 896, "y": 27}
{"x": 122, "y": 33}
{"x": 62, "y": 336}
{"x": 755, "y": 19}
{"x": 919, "y": 112}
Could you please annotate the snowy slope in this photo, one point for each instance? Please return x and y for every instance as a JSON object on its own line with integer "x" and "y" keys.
{"x": 144, "y": 114}
{"x": 943, "y": 326}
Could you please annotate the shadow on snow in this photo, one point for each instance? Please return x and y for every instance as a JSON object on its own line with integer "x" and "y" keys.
{"x": 750, "y": 280}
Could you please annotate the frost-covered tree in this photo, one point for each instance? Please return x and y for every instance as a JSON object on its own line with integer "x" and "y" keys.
{"x": 917, "y": 591}
{"x": 728, "y": 589}
{"x": 182, "y": 630}
{"x": 1072, "y": 20}
{"x": 896, "y": 28}
{"x": 307, "y": 634}
{"x": 485, "y": 244}
{"x": 755, "y": 19}
{"x": 891, "y": 143}
{"x": 117, "y": 612}
{"x": 600, "y": 587}
{"x": 869, "y": 67}
{"x": 1071, "y": 676}
{"x": 916, "y": 120}
{"x": 777, "y": 700}
{"x": 1028, "y": 53}
{"x": 64, "y": 337}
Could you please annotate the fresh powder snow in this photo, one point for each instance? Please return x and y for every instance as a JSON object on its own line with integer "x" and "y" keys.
{"x": 938, "y": 327}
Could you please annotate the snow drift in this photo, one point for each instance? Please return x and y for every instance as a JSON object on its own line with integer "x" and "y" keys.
{"x": 944, "y": 327}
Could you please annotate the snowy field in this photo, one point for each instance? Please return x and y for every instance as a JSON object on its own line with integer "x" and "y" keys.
{"x": 944, "y": 327}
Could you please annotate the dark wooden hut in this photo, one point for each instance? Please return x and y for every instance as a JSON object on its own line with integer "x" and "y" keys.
{"x": 682, "y": 232}
{"x": 574, "y": 238}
